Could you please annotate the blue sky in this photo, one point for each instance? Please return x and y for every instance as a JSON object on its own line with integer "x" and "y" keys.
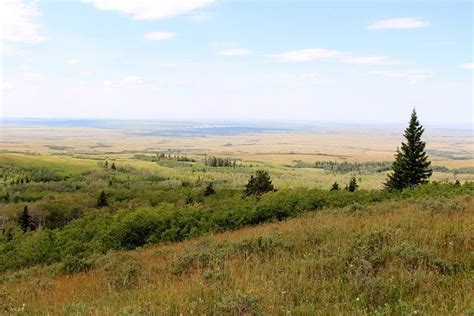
{"x": 345, "y": 61}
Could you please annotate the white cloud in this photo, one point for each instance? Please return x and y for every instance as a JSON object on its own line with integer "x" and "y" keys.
{"x": 18, "y": 21}
{"x": 34, "y": 77}
{"x": 411, "y": 75}
{"x": 398, "y": 23}
{"x": 5, "y": 85}
{"x": 170, "y": 63}
{"x": 132, "y": 81}
{"x": 201, "y": 17}
{"x": 467, "y": 66}
{"x": 234, "y": 52}
{"x": 306, "y": 54}
{"x": 306, "y": 77}
{"x": 86, "y": 73}
{"x": 159, "y": 36}
{"x": 320, "y": 53}
{"x": 150, "y": 9}
{"x": 72, "y": 61}
{"x": 377, "y": 60}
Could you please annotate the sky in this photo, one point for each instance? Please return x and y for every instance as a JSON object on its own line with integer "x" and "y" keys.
{"x": 340, "y": 61}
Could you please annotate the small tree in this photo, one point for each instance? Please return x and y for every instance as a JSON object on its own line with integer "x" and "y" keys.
{"x": 102, "y": 200}
{"x": 352, "y": 186}
{"x": 24, "y": 220}
{"x": 335, "y": 186}
{"x": 106, "y": 164}
{"x": 209, "y": 189}
{"x": 411, "y": 166}
{"x": 259, "y": 184}
{"x": 113, "y": 166}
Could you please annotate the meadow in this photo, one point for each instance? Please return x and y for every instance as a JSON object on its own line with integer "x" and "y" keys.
{"x": 159, "y": 244}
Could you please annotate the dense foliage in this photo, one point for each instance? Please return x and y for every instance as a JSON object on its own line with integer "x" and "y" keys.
{"x": 347, "y": 167}
{"x": 101, "y": 230}
{"x": 259, "y": 184}
{"x": 213, "y": 161}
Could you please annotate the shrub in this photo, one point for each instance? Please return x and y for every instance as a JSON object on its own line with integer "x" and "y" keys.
{"x": 74, "y": 264}
{"x": 259, "y": 184}
{"x": 238, "y": 303}
{"x": 121, "y": 270}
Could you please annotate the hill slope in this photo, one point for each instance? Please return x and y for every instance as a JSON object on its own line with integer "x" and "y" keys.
{"x": 390, "y": 257}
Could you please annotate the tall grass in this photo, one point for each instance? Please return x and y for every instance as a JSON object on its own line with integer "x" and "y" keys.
{"x": 395, "y": 257}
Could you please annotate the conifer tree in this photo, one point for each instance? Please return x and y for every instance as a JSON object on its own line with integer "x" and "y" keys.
{"x": 411, "y": 166}
{"x": 113, "y": 166}
{"x": 259, "y": 184}
{"x": 102, "y": 200}
{"x": 352, "y": 186}
{"x": 24, "y": 220}
{"x": 335, "y": 186}
{"x": 209, "y": 189}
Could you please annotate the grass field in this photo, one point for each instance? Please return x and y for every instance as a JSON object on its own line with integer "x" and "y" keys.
{"x": 162, "y": 246}
{"x": 272, "y": 150}
{"x": 413, "y": 257}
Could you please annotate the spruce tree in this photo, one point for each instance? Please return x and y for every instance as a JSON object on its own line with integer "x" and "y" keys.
{"x": 209, "y": 189}
{"x": 352, "y": 186}
{"x": 411, "y": 166}
{"x": 335, "y": 186}
{"x": 102, "y": 200}
{"x": 259, "y": 184}
{"x": 24, "y": 220}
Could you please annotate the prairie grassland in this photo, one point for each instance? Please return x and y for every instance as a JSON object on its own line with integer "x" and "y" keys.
{"x": 319, "y": 143}
{"x": 273, "y": 151}
{"x": 282, "y": 176}
{"x": 406, "y": 257}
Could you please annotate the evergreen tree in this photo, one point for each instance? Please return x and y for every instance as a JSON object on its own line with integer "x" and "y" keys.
{"x": 352, "y": 186}
{"x": 24, "y": 220}
{"x": 113, "y": 166}
{"x": 209, "y": 190}
{"x": 102, "y": 200}
{"x": 106, "y": 164}
{"x": 411, "y": 166}
{"x": 335, "y": 186}
{"x": 259, "y": 184}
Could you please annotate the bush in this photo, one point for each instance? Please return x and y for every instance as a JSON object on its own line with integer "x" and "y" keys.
{"x": 74, "y": 264}
{"x": 238, "y": 303}
{"x": 121, "y": 270}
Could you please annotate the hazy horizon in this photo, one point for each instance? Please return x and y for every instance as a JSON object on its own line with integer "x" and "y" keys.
{"x": 264, "y": 123}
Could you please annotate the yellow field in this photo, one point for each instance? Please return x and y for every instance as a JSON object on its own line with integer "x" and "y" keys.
{"x": 273, "y": 150}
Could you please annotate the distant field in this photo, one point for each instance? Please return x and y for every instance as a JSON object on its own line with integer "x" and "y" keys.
{"x": 269, "y": 146}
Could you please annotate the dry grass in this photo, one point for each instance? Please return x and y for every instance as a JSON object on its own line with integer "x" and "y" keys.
{"x": 389, "y": 258}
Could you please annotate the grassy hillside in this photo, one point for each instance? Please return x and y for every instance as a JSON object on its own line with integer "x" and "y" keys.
{"x": 413, "y": 256}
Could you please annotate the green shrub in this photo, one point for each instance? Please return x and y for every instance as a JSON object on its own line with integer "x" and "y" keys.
{"x": 238, "y": 303}
{"x": 121, "y": 270}
{"x": 74, "y": 264}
